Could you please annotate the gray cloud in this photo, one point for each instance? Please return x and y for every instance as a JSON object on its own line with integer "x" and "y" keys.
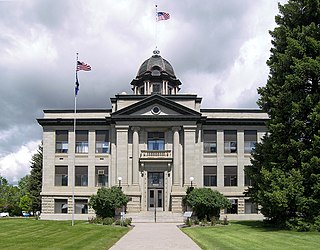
{"x": 207, "y": 42}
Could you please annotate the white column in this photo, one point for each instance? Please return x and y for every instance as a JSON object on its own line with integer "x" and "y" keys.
{"x": 135, "y": 155}
{"x": 176, "y": 156}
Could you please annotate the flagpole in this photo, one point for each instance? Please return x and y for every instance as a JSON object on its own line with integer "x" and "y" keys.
{"x": 156, "y": 28}
{"x": 75, "y": 146}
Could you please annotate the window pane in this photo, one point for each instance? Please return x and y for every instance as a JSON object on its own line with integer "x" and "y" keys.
{"x": 234, "y": 207}
{"x": 61, "y": 175}
{"x": 210, "y": 176}
{"x": 101, "y": 174}
{"x": 81, "y": 206}
{"x": 210, "y": 141}
{"x": 62, "y": 141}
{"x": 230, "y": 176}
{"x": 82, "y": 141}
{"x": 81, "y": 176}
{"x": 230, "y": 141}
{"x": 250, "y": 208}
{"x": 250, "y": 140}
{"x": 102, "y": 141}
{"x": 61, "y": 206}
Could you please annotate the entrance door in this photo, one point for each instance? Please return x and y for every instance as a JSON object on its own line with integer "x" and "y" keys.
{"x": 155, "y": 197}
{"x": 155, "y": 191}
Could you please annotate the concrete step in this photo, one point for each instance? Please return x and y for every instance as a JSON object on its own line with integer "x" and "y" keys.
{"x": 161, "y": 217}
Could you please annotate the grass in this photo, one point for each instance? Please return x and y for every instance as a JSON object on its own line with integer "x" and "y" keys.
{"x": 27, "y": 233}
{"x": 251, "y": 235}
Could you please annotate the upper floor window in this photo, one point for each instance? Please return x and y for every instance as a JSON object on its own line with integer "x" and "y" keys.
{"x": 210, "y": 176}
{"x": 250, "y": 140}
{"x": 247, "y": 180}
{"x": 101, "y": 176}
{"x": 61, "y": 175}
{"x": 81, "y": 176}
{"x": 230, "y": 141}
{"x": 61, "y": 141}
{"x": 82, "y": 141}
{"x": 102, "y": 141}
{"x": 230, "y": 176}
{"x": 155, "y": 140}
{"x": 210, "y": 141}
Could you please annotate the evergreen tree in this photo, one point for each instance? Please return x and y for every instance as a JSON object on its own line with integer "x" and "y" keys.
{"x": 286, "y": 165}
{"x": 35, "y": 180}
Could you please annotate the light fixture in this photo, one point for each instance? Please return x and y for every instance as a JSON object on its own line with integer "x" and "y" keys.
{"x": 191, "y": 180}
{"x": 119, "y": 180}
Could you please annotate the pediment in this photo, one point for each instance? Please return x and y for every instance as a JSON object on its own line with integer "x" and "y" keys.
{"x": 156, "y": 106}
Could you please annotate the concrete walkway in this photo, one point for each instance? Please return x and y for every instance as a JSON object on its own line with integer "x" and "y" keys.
{"x": 155, "y": 236}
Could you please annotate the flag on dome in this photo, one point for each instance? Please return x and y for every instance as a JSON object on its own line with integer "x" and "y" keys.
{"x": 83, "y": 66}
{"x": 163, "y": 16}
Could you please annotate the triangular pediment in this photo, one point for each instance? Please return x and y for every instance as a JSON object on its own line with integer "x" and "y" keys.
{"x": 156, "y": 106}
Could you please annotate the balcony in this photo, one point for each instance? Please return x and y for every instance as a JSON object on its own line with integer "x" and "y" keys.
{"x": 155, "y": 156}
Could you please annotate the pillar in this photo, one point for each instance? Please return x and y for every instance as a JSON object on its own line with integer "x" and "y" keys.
{"x": 135, "y": 155}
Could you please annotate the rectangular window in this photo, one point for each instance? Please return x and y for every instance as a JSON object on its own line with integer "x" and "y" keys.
{"x": 155, "y": 140}
{"x": 250, "y": 140}
{"x": 209, "y": 141}
{"x": 141, "y": 90}
{"x": 61, "y": 175}
{"x": 247, "y": 181}
{"x": 210, "y": 176}
{"x": 81, "y": 206}
{"x": 230, "y": 176}
{"x": 234, "y": 207}
{"x": 250, "y": 207}
{"x": 61, "y": 206}
{"x": 81, "y": 176}
{"x": 82, "y": 141}
{"x": 230, "y": 141}
{"x": 101, "y": 176}
{"x": 102, "y": 141}
{"x": 61, "y": 141}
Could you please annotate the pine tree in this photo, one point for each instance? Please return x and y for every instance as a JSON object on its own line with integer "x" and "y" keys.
{"x": 286, "y": 165}
{"x": 35, "y": 180}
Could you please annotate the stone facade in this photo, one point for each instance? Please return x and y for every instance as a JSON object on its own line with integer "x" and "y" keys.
{"x": 158, "y": 141}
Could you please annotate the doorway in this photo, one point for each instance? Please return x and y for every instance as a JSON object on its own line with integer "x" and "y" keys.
{"x": 155, "y": 191}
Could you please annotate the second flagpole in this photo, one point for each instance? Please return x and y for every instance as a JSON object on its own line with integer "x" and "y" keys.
{"x": 74, "y": 134}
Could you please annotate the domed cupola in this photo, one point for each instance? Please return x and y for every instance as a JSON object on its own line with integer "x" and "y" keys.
{"x": 155, "y": 76}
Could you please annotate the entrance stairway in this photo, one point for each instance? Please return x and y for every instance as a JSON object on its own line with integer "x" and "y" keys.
{"x": 161, "y": 217}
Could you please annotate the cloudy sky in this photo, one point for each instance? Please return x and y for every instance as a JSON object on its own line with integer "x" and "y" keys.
{"x": 218, "y": 49}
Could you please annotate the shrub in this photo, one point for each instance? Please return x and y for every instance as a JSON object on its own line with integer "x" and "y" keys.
{"x": 207, "y": 203}
{"x": 107, "y": 221}
{"x": 107, "y": 200}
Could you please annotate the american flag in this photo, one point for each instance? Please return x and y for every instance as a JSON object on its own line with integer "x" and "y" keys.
{"x": 163, "y": 16}
{"x": 83, "y": 66}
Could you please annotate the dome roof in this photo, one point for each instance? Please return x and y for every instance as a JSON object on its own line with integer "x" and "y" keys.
{"x": 156, "y": 62}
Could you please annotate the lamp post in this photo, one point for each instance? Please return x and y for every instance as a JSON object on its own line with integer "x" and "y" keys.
{"x": 119, "y": 180}
{"x": 191, "y": 180}
{"x": 121, "y": 213}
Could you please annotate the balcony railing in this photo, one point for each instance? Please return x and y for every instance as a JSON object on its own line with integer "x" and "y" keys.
{"x": 156, "y": 155}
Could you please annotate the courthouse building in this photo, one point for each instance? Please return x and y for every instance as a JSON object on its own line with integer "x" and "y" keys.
{"x": 154, "y": 143}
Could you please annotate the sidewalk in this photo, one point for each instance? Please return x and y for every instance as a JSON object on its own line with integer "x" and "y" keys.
{"x": 155, "y": 236}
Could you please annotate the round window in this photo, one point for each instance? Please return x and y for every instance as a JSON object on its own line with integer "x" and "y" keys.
{"x": 155, "y": 110}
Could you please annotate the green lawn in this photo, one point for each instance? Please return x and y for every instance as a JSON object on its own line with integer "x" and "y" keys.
{"x": 23, "y": 233}
{"x": 251, "y": 235}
